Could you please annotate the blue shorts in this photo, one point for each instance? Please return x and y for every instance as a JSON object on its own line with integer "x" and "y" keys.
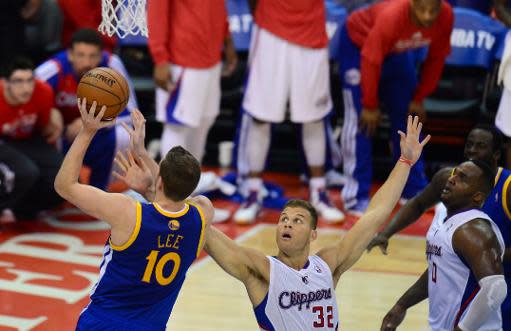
{"x": 93, "y": 319}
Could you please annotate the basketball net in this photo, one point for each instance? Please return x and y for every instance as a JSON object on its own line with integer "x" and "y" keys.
{"x": 123, "y": 17}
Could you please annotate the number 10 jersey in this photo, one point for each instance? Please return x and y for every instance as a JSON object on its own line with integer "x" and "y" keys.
{"x": 139, "y": 282}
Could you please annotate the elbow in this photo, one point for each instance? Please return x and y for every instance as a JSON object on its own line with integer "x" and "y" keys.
{"x": 57, "y": 185}
{"x": 60, "y": 187}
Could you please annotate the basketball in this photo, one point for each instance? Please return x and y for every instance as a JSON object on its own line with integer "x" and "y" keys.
{"x": 108, "y": 88}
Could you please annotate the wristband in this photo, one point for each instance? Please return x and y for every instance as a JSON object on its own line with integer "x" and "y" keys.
{"x": 405, "y": 160}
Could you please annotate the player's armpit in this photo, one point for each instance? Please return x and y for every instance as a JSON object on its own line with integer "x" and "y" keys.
{"x": 476, "y": 242}
{"x": 238, "y": 261}
{"x": 118, "y": 210}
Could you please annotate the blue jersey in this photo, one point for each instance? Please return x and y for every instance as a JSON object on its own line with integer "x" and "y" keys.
{"x": 496, "y": 207}
{"x": 139, "y": 282}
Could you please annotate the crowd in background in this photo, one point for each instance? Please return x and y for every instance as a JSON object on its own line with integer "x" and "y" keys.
{"x": 59, "y": 38}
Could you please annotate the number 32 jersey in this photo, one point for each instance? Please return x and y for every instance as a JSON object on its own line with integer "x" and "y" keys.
{"x": 301, "y": 300}
{"x": 452, "y": 285}
{"x": 139, "y": 282}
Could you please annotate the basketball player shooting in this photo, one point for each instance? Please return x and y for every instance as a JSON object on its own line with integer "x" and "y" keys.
{"x": 293, "y": 290}
{"x": 151, "y": 246}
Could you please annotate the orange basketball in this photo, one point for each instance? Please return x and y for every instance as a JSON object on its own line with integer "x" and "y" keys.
{"x": 108, "y": 88}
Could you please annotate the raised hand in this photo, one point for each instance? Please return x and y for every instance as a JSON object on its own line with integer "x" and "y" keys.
{"x": 411, "y": 147}
{"x": 137, "y": 133}
{"x": 90, "y": 121}
{"x": 133, "y": 172}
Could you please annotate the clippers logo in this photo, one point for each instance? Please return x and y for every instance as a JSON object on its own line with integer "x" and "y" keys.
{"x": 174, "y": 225}
{"x": 432, "y": 249}
{"x": 291, "y": 299}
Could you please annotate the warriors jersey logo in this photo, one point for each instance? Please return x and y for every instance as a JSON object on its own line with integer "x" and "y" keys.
{"x": 174, "y": 225}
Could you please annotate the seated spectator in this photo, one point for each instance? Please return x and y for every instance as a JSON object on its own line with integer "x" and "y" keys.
{"x": 79, "y": 14}
{"x": 13, "y": 16}
{"x": 63, "y": 72}
{"x": 29, "y": 127}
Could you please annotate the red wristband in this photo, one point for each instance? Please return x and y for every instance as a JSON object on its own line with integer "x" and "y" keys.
{"x": 405, "y": 160}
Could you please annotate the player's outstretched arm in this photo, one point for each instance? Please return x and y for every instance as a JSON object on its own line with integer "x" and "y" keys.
{"x": 238, "y": 261}
{"x": 476, "y": 242}
{"x": 115, "y": 209}
{"x": 414, "y": 295}
{"x": 412, "y": 210}
{"x": 342, "y": 255}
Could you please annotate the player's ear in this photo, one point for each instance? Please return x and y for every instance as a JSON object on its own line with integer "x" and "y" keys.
{"x": 159, "y": 183}
{"x": 314, "y": 235}
{"x": 479, "y": 197}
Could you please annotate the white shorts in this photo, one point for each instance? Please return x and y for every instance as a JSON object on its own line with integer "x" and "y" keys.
{"x": 280, "y": 71}
{"x": 503, "y": 117}
{"x": 196, "y": 96}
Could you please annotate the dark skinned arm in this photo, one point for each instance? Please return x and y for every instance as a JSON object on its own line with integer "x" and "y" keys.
{"x": 476, "y": 242}
{"x": 414, "y": 295}
{"x": 412, "y": 210}
{"x": 503, "y": 13}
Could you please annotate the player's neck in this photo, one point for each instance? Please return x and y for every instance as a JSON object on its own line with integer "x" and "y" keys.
{"x": 167, "y": 204}
{"x": 297, "y": 261}
{"x": 460, "y": 209}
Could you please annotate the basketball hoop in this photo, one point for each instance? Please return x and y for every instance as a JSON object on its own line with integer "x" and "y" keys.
{"x": 123, "y": 17}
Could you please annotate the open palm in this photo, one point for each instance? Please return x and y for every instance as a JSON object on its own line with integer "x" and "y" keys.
{"x": 411, "y": 146}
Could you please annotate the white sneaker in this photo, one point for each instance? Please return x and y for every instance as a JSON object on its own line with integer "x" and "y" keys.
{"x": 326, "y": 210}
{"x": 248, "y": 211}
{"x": 221, "y": 215}
{"x": 334, "y": 178}
{"x": 209, "y": 181}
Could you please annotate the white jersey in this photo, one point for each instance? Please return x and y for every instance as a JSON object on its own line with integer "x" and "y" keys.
{"x": 451, "y": 284}
{"x": 299, "y": 300}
